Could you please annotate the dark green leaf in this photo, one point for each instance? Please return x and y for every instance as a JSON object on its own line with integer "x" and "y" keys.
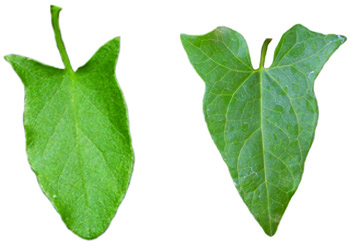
{"x": 77, "y": 133}
{"x": 262, "y": 121}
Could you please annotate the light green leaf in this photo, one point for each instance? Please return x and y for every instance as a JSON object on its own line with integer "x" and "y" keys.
{"x": 77, "y": 134}
{"x": 262, "y": 120}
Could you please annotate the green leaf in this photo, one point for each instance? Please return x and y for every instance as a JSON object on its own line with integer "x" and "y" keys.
{"x": 262, "y": 120}
{"x": 77, "y": 133}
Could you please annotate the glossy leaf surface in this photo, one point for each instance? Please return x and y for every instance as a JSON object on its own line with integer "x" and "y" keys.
{"x": 262, "y": 120}
{"x": 77, "y": 134}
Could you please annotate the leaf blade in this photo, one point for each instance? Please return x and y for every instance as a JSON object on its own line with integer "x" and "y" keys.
{"x": 78, "y": 138}
{"x": 262, "y": 132}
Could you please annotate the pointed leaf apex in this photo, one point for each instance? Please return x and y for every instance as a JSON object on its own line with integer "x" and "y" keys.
{"x": 8, "y": 58}
{"x": 342, "y": 38}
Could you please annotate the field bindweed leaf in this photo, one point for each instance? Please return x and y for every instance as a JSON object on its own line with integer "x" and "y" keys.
{"x": 262, "y": 120}
{"x": 77, "y": 134}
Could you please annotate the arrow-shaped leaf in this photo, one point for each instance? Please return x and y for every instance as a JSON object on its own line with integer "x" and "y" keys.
{"x": 262, "y": 120}
{"x": 77, "y": 133}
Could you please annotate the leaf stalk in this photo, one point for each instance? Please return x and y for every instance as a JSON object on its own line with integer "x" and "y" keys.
{"x": 263, "y": 53}
{"x": 55, "y": 11}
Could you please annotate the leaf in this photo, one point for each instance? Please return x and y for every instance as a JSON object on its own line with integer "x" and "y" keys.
{"x": 262, "y": 120}
{"x": 77, "y": 134}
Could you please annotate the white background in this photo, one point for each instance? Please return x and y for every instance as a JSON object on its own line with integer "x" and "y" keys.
{"x": 181, "y": 193}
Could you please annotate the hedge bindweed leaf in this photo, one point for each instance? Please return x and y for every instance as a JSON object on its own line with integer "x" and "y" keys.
{"x": 77, "y": 134}
{"x": 262, "y": 120}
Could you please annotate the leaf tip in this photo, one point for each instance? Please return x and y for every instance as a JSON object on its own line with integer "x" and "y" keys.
{"x": 10, "y": 58}
{"x": 88, "y": 233}
{"x": 342, "y": 38}
{"x": 270, "y": 231}
{"x": 88, "y": 237}
{"x": 298, "y": 26}
{"x": 116, "y": 39}
{"x": 270, "y": 226}
{"x": 115, "y": 42}
{"x": 183, "y": 36}
{"x": 221, "y": 28}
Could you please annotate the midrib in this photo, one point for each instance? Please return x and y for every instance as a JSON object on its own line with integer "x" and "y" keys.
{"x": 73, "y": 82}
{"x": 262, "y": 141}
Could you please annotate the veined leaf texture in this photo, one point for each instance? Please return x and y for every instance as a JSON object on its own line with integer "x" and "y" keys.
{"x": 262, "y": 120}
{"x": 77, "y": 133}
